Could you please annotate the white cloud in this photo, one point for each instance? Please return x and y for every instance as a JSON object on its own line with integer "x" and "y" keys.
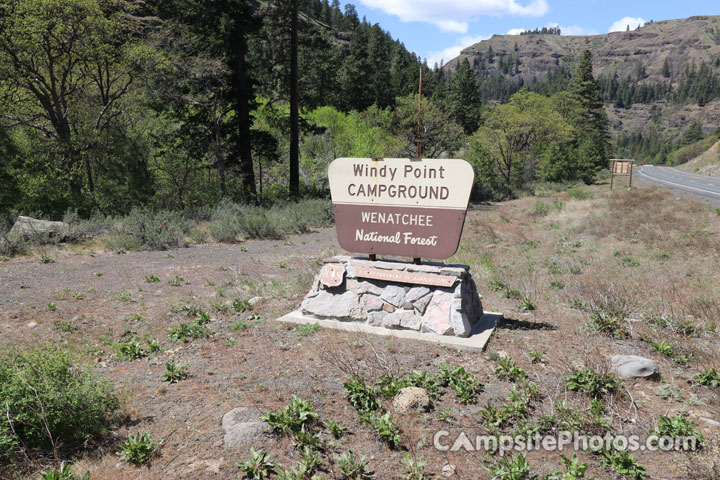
{"x": 622, "y": 24}
{"x": 452, "y": 26}
{"x": 452, "y": 15}
{"x": 515, "y": 31}
{"x": 449, "y": 53}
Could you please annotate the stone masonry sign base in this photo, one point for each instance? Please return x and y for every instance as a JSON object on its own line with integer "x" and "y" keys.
{"x": 432, "y": 302}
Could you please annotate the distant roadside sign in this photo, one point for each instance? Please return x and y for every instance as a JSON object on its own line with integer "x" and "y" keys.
{"x": 400, "y": 206}
{"x": 620, "y": 168}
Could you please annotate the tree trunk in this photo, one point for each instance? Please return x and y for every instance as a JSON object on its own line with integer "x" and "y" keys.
{"x": 294, "y": 117}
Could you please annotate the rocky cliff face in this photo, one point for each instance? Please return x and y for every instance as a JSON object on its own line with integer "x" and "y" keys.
{"x": 681, "y": 42}
{"x": 659, "y": 52}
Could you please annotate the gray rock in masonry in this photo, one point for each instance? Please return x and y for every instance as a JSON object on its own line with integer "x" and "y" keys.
{"x": 403, "y": 319}
{"x": 394, "y": 295}
{"x": 376, "y": 318}
{"x": 345, "y": 306}
{"x": 372, "y": 302}
{"x": 416, "y": 293}
{"x": 633, "y": 366}
{"x": 362, "y": 286}
{"x": 460, "y": 324}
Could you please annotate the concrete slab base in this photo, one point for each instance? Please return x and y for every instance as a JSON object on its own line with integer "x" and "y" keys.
{"x": 478, "y": 339}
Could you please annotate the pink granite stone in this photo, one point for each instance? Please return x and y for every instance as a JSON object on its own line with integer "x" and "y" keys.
{"x": 437, "y": 314}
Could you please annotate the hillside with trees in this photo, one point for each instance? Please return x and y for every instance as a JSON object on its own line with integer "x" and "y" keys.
{"x": 655, "y": 81}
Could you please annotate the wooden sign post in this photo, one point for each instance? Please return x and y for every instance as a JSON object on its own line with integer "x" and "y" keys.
{"x": 620, "y": 168}
{"x": 400, "y": 206}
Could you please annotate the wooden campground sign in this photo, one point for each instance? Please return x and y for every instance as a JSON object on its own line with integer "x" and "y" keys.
{"x": 400, "y": 206}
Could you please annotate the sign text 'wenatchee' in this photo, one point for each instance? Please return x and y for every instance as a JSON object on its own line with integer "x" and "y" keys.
{"x": 400, "y": 206}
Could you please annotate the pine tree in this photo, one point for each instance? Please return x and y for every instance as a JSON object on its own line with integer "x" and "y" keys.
{"x": 464, "y": 98}
{"x": 593, "y": 125}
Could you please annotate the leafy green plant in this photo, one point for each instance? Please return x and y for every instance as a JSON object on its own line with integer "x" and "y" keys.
{"x": 46, "y": 259}
{"x": 513, "y": 468}
{"x": 64, "y": 472}
{"x": 630, "y": 262}
{"x": 578, "y": 305}
{"x": 507, "y": 369}
{"x": 384, "y": 426}
{"x": 51, "y": 306}
{"x": 153, "y": 346}
{"x": 663, "y": 348}
{"x": 138, "y": 449}
{"x": 296, "y": 417}
{"x": 130, "y": 351}
{"x": 512, "y": 293}
{"x": 309, "y": 329}
{"x": 526, "y": 305}
{"x": 241, "y": 305}
{"x": 184, "y": 331}
{"x": 414, "y": 467}
{"x": 497, "y": 285}
{"x": 430, "y": 383}
{"x": 152, "y": 279}
{"x": 466, "y": 386}
{"x": 608, "y": 324}
{"x": 258, "y": 467}
{"x": 65, "y": 326}
{"x": 336, "y": 429}
{"x": 591, "y": 382}
{"x": 579, "y": 193}
{"x": 46, "y": 396}
{"x": 175, "y": 282}
{"x": 174, "y": 371}
{"x": 352, "y": 467}
{"x": 536, "y": 356}
{"x": 676, "y": 427}
{"x": 709, "y": 378}
{"x": 574, "y": 469}
{"x": 623, "y": 463}
{"x": 361, "y": 396}
{"x": 239, "y": 326}
{"x": 557, "y": 285}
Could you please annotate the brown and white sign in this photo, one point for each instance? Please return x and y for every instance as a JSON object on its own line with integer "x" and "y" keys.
{"x": 400, "y": 206}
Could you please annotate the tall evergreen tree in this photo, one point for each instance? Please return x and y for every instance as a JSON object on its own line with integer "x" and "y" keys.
{"x": 464, "y": 99}
{"x": 592, "y": 125}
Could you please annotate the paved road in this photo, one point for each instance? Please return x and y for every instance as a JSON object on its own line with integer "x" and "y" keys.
{"x": 700, "y": 185}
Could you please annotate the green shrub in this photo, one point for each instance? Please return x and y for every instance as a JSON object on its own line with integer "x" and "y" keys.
{"x": 511, "y": 469}
{"x": 709, "y": 378}
{"x": 507, "y": 369}
{"x": 145, "y": 229}
{"x": 174, "y": 371}
{"x": 361, "y": 396}
{"x": 352, "y": 467}
{"x": 579, "y": 193}
{"x": 591, "y": 382}
{"x": 384, "y": 426}
{"x": 43, "y": 389}
{"x": 62, "y": 473}
{"x": 466, "y": 386}
{"x": 258, "y": 467}
{"x": 677, "y": 427}
{"x": 139, "y": 449}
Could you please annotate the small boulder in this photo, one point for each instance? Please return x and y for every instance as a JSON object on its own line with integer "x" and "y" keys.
{"x": 242, "y": 426}
{"x": 28, "y": 227}
{"x": 634, "y": 366}
{"x": 410, "y": 399}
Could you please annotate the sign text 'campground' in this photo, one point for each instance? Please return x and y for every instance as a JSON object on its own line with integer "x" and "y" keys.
{"x": 400, "y": 206}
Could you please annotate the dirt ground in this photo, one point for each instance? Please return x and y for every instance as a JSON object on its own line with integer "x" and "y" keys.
{"x": 571, "y": 250}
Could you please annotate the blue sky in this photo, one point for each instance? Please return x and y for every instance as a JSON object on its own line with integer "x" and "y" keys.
{"x": 440, "y": 29}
